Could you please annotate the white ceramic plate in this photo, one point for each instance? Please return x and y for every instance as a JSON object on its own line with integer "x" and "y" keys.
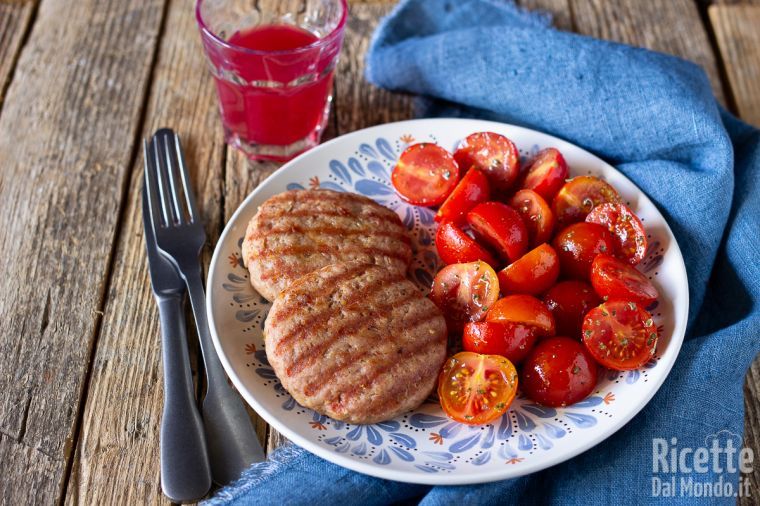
{"x": 423, "y": 446}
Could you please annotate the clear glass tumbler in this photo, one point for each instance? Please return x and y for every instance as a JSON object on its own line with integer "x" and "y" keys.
{"x": 273, "y": 63}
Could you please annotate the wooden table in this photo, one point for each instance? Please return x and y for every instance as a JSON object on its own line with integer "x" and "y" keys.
{"x": 81, "y": 83}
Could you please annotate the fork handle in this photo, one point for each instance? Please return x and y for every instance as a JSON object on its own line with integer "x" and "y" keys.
{"x": 231, "y": 438}
{"x": 185, "y": 472}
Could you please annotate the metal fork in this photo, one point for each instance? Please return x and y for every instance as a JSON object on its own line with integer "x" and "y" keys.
{"x": 231, "y": 439}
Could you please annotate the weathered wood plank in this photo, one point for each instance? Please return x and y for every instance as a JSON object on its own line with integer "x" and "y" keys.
{"x": 117, "y": 458}
{"x": 737, "y": 30}
{"x": 15, "y": 18}
{"x": 671, "y": 27}
{"x": 66, "y": 133}
{"x": 360, "y": 104}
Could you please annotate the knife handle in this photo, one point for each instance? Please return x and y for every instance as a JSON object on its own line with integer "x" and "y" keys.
{"x": 185, "y": 471}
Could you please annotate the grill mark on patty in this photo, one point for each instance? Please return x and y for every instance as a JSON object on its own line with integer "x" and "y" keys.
{"x": 282, "y": 266}
{"x": 339, "y": 212}
{"x": 357, "y": 389}
{"x": 335, "y": 277}
{"x": 317, "y": 322}
{"x": 327, "y": 377}
{"x": 313, "y": 354}
{"x": 329, "y": 230}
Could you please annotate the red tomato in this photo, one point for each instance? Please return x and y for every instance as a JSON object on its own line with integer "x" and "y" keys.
{"x": 578, "y": 245}
{"x": 471, "y": 191}
{"x": 511, "y": 340}
{"x": 569, "y": 301}
{"x": 476, "y": 389}
{"x": 630, "y": 237}
{"x": 425, "y": 174}
{"x": 464, "y": 292}
{"x": 620, "y": 335}
{"x": 523, "y": 309}
{"x": 559, "y": 372}
{"x": 492, "y": 153}
{"x": 533, "y": 273}
{"x": 615, "y": 279}
{"x": 536, "y": 214}
{"x": 579, "y": 196}
{"x": 546, "y": 173}
{"x": 455, "y": 246}
{"x": 499, "y": 226}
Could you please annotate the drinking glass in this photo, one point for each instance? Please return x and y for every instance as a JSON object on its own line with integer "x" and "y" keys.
{"x": 273, "y": 63}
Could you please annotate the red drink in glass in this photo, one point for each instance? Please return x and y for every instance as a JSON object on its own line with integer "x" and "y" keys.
{"x": 273, "y": 76}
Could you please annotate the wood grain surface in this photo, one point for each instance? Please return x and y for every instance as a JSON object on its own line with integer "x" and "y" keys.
{"x": 737, "y": 30}
{"x": 80, "y": 84}
{"x": 124, "y": 400}
{"x": 15, "y": 20}
{"x": 67, "y": 133}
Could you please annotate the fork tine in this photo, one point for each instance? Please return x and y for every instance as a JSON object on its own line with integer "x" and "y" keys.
{"x": 162, "y": 171}
{"x": 173, "y": 173}
{"x": 157, "y": 211}
{"x": 189, "y": 195}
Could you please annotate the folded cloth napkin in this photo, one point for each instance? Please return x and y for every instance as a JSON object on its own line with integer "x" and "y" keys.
{"x": 655, "y": 118}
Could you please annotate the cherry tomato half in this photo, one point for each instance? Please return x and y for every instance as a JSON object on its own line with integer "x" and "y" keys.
{"x": 630, "y": 237}
{"x": 499, "y": 226}
{"x": 533, "y": 273}
{"x": 464, "y": 292}
{"x": 559, "y": 372}
{"x": 425, "y": 174}
{"x": 615, "y": 279}
{"x": 569, "y": 301}
{"x": 578, "y": 245}
{"x": 620, "y": 335}
{"x": 492, "y": 153}
{"x": 546, "y": 173}
{"x": 523, "y": 309}
{"x": 536, "y": 213}
{"x": 471, "y": 191}
{"x": 455, "y": 246}
{"x": 511, "y": 340}
{"x": 476, "y": 389}
{"x": 579, "y": 196}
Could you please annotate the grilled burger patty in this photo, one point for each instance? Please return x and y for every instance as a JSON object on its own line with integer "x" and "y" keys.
{"x": 356, "y": 342}
{"x": 299, "y": 231}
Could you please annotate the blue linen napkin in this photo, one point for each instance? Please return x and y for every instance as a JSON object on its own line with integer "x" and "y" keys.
{"x": 654, "y": 117}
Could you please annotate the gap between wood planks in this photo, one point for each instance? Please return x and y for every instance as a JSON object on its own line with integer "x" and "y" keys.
{"x": 122, "y": 208}
{"x": 31, "y": 17}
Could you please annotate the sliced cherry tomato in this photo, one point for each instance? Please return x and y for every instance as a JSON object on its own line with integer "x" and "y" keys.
{"x": 620, "y": 335}
{"x": 471, "y": 191}
{"x": 569, "y": 301}
{"x": 465, "y": 292}
{"x": 455, "y": 246}
{"x": 536, "y": 213}
{"x": 511, "y": 340}
{"x": 546, "y": 173}
{"x": 523, "y": 309}
{"x": 492, "y": 153}
{"x": 579, "y": 196}
{"x": 615, "y": 279}
{"x": 578, "y": 245}
{"x": 630, "y": 237}
{"x": 499, "y": 226}
{"x": 425, "y": 174}
{"x": 533, "y": 273}
{"x": 559, "y": 372}
{"x": 476, "y": 389}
